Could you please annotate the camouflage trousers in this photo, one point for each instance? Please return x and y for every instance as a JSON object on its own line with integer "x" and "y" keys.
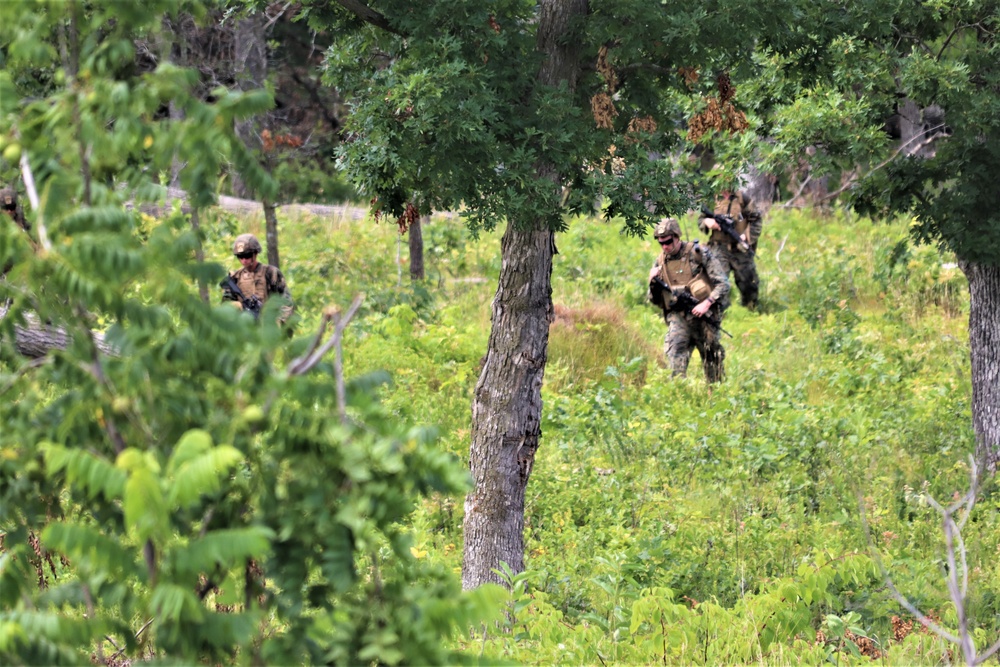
{"x": 744, "y": 270}
{"x": 685, "y": 332}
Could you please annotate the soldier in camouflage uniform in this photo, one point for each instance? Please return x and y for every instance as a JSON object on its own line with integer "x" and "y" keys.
{"x": 689, "y": 272}
{"x": 749, "y": 224}
{"x": 256, "y": 279}
{"x": 9, "y": 205}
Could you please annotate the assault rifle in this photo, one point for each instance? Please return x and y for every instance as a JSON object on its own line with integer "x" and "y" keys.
{"x": 679, "y": 302}
{"x": 728, "y": 227}
{"x": 251, "y": 303}
{"x": 672, "y": 302}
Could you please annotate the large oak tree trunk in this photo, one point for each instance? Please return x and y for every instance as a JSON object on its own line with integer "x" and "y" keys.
{"x": 507, "y": 406}
{"x": 984, "y": 348}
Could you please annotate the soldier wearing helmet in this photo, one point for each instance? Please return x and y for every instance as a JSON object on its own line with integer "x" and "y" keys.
{"x": 255, "y": 279}
{"x": 737, "y": 258}
{"x": 9, "y": 205}
{"x": 691, "y": 287}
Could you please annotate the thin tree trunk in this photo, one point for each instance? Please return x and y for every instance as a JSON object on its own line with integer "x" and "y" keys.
{"x": 250, "y": 71}
{"x": 199, "y": 253}
{"x": 416, "y": 240}
{"x": 507, "y": 406}
{"x": 271, "y": 233}
{"x": 984, "y": 349}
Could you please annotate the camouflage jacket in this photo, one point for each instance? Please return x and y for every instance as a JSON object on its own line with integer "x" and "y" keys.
{"x": 702, "y": 265}
{"x": 264, "y": 281}
{"x": 740, "y": 208}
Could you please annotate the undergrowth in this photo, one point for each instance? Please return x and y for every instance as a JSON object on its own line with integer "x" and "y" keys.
{"x": 670, "y": 522}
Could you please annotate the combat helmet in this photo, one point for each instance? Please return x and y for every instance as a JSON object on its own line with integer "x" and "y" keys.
{"x": 8, "y": 199}
{"x": 246, "y": 243}
{"x": 666, "y": 227}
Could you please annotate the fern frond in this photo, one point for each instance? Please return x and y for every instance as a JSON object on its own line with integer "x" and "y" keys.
{"x": 88, "y": 546}
{"x": 145, "y": 508}
{"x": 105, "y": 218}
{"x": 223, "y": 548}
{"x": 170, "y": 601}
{"x": 201, "y": 474}
{"x": 39, "y": 625}
{"x": 95, "y": 474}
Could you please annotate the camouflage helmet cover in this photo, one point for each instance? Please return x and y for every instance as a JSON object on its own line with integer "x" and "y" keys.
{"x": 8, "y": 197}
{"x": 246, "y": 243}
{"x": 666, "y": 227}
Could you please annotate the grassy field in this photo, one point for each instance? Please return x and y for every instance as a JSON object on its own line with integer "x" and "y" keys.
{"x": 673, "y": 523}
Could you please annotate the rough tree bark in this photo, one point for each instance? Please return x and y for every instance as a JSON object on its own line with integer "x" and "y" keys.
{"x": 250, "y": 72}
{"x": 271, "y": 233}
{"x": 507, "y": 406}
{"x": 984, "y": 350}
{"x": 416, "y": 242}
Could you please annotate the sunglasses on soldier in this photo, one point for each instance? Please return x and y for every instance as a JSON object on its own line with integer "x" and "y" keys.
{"x": 244, "y": 255}
{"x": 666, "y": 240}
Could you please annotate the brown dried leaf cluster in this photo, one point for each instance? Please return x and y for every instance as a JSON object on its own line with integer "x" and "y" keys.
{"x": 901, "y": 628}
{"x": 690, "y": 75}
{"x": 603, "y": 109}
{"x": 638, "y": 126}
{"x": 410, "y": 215}
{"x": 725, "y": 86}
{"x": 605, "y": 69}
{"x": 642, "y": 124}
{"x": 270, "y": 141}
{"x": 617, "y": 162}
{"x": 865, "y": 645}
{"x": 601, "y": 104}
{"x": 718, "y": 116}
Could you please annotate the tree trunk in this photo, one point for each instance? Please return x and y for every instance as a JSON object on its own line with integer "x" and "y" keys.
{"x": 507, "y": 406}
{"x": 416, "y": 239}
{"x": 37, "y": 340}
{"x": 984, "y": 349}
{"x": 271, "y": 234}
{"x": 250, "y": 71}
{"x": 199, "y": 254}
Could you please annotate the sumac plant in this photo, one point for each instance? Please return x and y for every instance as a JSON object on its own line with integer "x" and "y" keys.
{"x": 177, "y": 483}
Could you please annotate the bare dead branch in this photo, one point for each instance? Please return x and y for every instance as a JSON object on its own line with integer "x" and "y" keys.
{"x": 926, "y": 142}
{"x": 316, "y": 351}
{"x": 798, "y": 192}
{"x": 777, "y": 255}
{"x": 29, "y": 187}
{"x": 988, "y": 653}
{"x": 921, "y": 617}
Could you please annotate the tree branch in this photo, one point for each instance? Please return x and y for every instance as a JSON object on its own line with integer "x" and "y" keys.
{"x": 316, "y": 351}
{"x": 369, "y": 15}
{"x": 29, "y": 187}
{"x": 926, "y": 142}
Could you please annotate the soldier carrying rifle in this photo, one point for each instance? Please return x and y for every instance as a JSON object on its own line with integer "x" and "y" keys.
{"x": 734, "y": 227}
{"x": 691, "y": 287}
{"x": 254, "y": 283}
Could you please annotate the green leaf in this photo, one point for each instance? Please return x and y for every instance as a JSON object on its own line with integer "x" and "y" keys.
{"x": 223, "y": 548}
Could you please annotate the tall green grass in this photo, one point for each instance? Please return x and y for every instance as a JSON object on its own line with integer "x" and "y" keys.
{"x": 672, "y": 522}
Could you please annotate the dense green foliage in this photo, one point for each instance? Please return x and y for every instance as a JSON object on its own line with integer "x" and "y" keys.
{"x": 669, "y": 520}
{"x": 176, "y": 488}
{"x": 189, "y": 496}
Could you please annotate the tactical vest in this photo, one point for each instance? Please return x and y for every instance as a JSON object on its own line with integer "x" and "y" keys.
{"x": 678, "y": 273}
{"x": 259, "y": 282}
{"x": 731, "y": 205}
